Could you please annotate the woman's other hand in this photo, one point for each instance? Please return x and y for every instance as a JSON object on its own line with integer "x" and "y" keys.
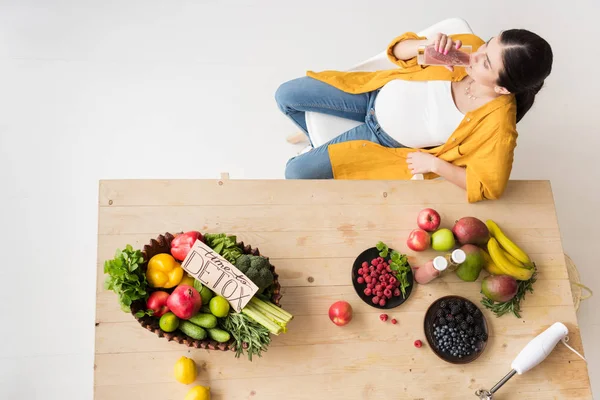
{"x": 421, "y": 163}
{"x": 443, "y": 43}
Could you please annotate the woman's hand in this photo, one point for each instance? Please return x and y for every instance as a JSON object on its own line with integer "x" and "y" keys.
{"x": 442, "y": 44}
{"x": 421, "y": 163}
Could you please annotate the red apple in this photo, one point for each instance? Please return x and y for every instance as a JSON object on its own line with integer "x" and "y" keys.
{"x": 340, "y": 313}
{"x": 418, "y": 240}
{"x": 429, "y": 219}
{"x": 184, "y": 302}
{"x": 157, "y": 302}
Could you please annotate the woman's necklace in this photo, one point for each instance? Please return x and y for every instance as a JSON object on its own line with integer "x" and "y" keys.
{"x": 468, "y": 91}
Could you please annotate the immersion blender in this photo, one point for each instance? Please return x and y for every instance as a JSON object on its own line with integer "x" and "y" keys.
{"x": 534, "y": 353}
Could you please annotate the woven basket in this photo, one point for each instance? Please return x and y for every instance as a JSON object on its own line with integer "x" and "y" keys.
{"x": 162, "y": 244}
{"x": 577, "y": 287}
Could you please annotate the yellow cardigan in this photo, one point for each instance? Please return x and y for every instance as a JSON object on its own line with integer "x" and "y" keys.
{"x": 483, "y": 143}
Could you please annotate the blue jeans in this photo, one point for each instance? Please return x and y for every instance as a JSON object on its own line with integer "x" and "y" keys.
{"x": 298, "y": 96}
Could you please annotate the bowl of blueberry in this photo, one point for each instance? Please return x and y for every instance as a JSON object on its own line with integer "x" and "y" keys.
{"x": 456, "y": 329}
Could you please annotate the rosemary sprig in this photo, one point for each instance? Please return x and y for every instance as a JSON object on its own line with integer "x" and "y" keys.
{"x": 248, "y": 335}
{"x": 513, "y": 305}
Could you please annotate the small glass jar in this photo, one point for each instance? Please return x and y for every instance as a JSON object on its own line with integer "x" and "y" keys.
{"x": 455, "y": 258}
{"x": 430, "y": 270}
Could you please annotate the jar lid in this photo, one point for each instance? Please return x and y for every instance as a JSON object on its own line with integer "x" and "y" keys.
{"x": 440, "y": 263}
{"x": 459, "y": 256}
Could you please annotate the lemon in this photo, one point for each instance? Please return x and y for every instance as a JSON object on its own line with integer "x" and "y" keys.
{"x": 219, "y": 306}
{"x": 187, "y": 280}
{"x": 206, "y": 294}
{"x": 169, "y": 322}
{"x": 198, "y": 393}
{"x": 185, "y": 370}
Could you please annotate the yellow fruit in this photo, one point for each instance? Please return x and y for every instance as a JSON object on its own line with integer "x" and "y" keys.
{"x": 489, "y": 264}
{"x": 198, "y": 393}
{"x": 509, "y": 246}
{"x": 513, "y": 260}
{"x": 187, "y": 280}
{"x": 185, "y": 370}
{"x": 516, "y": 271}
{"x": 164, "y": 271}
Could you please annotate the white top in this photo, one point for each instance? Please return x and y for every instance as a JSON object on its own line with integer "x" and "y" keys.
{"x": 417, "y": 114}
{"x": 440, "y": 263}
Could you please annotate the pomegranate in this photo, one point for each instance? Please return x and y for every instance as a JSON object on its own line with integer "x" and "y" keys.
{"x": 184, "y": 302}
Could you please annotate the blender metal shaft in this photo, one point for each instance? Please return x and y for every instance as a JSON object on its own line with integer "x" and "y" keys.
{"x": 488, "y": 395}
{"x": 502, "y": 381}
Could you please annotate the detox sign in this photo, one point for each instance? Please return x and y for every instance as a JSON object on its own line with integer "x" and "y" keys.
{"x": 219, "y": 275}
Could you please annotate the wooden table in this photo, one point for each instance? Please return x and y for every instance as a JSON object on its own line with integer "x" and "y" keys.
{"x": 312, "y": 231}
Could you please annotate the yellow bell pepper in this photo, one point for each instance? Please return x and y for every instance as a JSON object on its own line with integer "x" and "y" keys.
{"x": 164, "y": 271}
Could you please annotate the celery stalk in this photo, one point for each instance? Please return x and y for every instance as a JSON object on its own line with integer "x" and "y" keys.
{"x": 260, "y": 318}
{"x": 267, "y": 313}
{"x": 272, "y": 308}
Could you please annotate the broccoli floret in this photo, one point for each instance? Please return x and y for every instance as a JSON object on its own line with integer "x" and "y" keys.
{"x": 243, "y": 263}
{"x": 260, "y": 273}
{"x": 259, "y": 262}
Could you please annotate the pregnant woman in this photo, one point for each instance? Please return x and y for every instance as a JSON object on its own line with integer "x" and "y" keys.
{"x": 458, "y": 123}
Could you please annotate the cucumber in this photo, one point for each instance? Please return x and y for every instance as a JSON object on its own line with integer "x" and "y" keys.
{"x": 204, "y": 320}
{"x": 193, "y": 331}
{"x": 219, "y": 335}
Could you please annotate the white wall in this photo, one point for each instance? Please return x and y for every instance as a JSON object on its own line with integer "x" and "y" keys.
{"x": 184, "y": 89}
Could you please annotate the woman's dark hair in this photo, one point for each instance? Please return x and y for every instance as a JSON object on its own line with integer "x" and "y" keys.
{"x": 527, "y": 60}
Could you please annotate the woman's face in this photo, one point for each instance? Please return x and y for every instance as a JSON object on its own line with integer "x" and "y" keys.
{"x": 486, "y": 63}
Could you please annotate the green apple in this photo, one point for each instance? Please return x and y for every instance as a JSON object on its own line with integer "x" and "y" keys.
{"x": 442, "y": 240}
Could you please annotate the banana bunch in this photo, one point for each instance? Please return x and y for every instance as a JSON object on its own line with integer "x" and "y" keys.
{"x": 505, "y": 257}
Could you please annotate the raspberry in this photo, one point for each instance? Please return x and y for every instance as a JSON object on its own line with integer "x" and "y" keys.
{"x": 368, "y": 292}
{"x": 360, "y": 279}
{"x": 394, "y": 321}
{"x": 418, "y": 344}
{"x": 382, "y": 302}
{"x": 383, "y": 317}
{"x": 375, "y": 300}
{"x": 365, "y": 264}
{"x": 396, "y": 292}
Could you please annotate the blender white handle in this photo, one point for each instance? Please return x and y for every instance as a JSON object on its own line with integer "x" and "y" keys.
{"x": 539, "y": 348}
